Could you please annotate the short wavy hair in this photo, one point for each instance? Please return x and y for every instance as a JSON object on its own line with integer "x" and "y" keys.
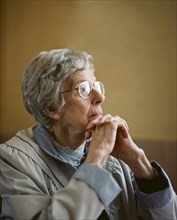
{"x": 44, "y": 77}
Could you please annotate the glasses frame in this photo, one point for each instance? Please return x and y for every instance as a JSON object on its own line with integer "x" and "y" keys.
{"x": 92, "y": 86}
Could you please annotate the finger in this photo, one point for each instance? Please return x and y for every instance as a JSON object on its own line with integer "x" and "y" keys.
{"x": 103, "y": 119}
{"x": 120, "y": 119}
{"x": 118, "y": 122}
{"x": 88, "y": 134}
{"x": 123, "y": 129}
{"x": 91, "y": 124}
{"x": 98, "y": 121}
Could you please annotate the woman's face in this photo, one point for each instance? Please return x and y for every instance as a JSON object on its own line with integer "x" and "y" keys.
{"x": 77, "y": 112}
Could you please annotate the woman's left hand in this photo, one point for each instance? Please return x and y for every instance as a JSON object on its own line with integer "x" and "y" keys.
{"x": 126, "y": 150}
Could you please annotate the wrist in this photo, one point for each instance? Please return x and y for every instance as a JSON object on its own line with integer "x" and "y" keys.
{"x": 96, "y": 157}
{"x": 141, "y": 167}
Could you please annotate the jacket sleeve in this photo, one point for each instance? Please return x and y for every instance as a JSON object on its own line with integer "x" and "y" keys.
{"x": 25, "y": 197}
{"x": 161, "y": 204}
{"x": 68, "y": 203}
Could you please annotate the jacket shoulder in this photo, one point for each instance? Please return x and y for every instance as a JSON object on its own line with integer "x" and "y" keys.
{"x": 22, "y": 154}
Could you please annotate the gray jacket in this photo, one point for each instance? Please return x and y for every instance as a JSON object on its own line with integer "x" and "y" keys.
{"x": 34, "y": 184}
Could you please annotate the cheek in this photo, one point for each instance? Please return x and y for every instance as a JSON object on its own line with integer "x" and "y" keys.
{"x": 76, "y": 113}
{"x": 78, "y": 107}
{"x": 81, "y": 113}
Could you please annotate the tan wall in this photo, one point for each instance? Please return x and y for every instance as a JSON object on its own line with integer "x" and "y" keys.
{"x": 134, "y": 48}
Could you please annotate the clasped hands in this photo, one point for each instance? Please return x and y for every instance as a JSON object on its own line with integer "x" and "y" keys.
{"x": 110, "y": 136}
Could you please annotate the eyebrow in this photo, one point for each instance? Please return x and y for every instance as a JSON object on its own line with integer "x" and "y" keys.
{"x": 78, "y": 82}
{"x": 82, "y": 80}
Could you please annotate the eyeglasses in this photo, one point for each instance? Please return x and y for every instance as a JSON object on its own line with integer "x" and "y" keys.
{"x": 85, "y": 89}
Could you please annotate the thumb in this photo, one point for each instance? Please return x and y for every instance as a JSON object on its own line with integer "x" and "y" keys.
{"x": 88, "y": 134}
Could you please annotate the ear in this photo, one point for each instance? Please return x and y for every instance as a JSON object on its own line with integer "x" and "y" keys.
{"x": 55, "y": 115}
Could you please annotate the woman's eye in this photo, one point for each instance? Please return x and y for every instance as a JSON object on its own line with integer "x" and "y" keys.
{"x": 85, "y": 90}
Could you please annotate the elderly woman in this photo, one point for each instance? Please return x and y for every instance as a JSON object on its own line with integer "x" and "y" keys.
{"x": 77, "y": 163}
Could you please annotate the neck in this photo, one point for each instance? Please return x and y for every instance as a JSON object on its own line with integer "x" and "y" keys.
{"x": 65, "y": 139}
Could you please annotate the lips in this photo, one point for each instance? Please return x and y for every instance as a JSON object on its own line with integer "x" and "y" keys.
{"x": 95, "y": 115}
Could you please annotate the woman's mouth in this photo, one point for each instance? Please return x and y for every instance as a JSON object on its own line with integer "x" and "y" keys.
{"x": 94, "y": 116}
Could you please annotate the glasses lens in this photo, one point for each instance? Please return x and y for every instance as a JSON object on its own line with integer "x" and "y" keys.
{"x": 99, "y": 87}
{"x": 84, "y": 89}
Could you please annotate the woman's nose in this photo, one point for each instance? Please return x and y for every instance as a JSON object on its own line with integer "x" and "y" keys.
{"x": 97, "y": 97}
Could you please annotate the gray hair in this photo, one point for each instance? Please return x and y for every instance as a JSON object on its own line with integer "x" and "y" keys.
{"x": 44, "y": 77}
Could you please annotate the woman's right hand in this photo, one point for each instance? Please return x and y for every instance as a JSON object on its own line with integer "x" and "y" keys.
{"x": 103, "y": 131}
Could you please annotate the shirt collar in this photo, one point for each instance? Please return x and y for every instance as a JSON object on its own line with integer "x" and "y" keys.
{"x": 46, "y": 142}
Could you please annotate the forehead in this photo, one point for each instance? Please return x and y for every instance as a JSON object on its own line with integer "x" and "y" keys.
{"x": 80, "y": 76}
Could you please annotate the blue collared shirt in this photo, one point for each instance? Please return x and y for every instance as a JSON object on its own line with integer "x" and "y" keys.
{"x": 65, "y": 154}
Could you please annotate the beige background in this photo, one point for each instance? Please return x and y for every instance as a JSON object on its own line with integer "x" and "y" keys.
{"x": 134, "y": 48}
